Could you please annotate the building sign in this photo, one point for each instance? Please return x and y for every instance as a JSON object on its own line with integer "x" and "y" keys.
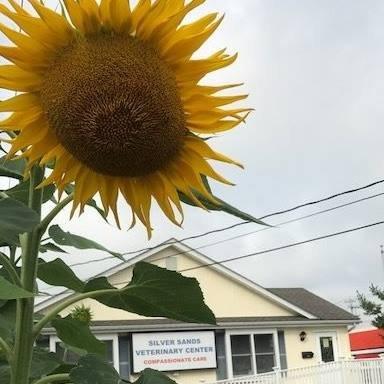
{"x": 173, "y": 351}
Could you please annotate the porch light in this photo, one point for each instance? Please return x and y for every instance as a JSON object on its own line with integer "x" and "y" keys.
{"x": 303, "y": 335}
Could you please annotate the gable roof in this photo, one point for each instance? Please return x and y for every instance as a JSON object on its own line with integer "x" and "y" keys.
{"x": 286, "y": 298}
{"x": 312, "y": 303}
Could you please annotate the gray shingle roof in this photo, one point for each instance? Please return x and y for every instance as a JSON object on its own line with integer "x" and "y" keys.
{"x": 313, "y": 304}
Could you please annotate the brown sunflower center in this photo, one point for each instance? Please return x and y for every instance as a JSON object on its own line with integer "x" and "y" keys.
{"x": 114, "y": 105}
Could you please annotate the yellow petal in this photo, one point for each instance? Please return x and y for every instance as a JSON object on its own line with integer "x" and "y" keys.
{"x": 171, "y": 192}
{"x": 204, "y": 167}
{"x": 200, "y": 102}
{"x": 91, "y": 18}
{"x": 219, "y": 126}
{"x": 188, "y": 44}
{"x": 55, "y": 22}
{"x": 141, "y": 189}
{"x": 105, "y": 13}
{"x": 37, "y": 151}
{"x": 189, "y": 91}
{"x": 121, "y": 17}
{"x": 165, "y": 31}
{"x": 19, "y": 103}
{"x": 19, "y": 120}
{"x": 153, "y": 18}
{"x": 140, "y": 11}
{"x": 33, "y": 26}
{"x": 214, "y": 115}
{"x": 175, "y": 176}
{"x": 55, "y": 152}
{"x": 76, "y": 14}
{"x": 195, "y": 70}
{"x": 133, "y": 194}
{"x": 32, "y": 134}
{"x": 16, "y": 79}
{"x": 160, "y": 194}
{"x": 18, "y": 8}
{"x": 22, "y": 59}
{"x": 203, "y": 149}
{"x": 25, "y": 43}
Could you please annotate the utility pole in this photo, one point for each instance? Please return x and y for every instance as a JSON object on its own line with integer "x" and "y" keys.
{"x": 351, "y": 305}
{"x": 382, "y": 255}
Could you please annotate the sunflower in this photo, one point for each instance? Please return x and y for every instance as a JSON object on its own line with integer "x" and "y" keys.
{"x": 111, "y": 95}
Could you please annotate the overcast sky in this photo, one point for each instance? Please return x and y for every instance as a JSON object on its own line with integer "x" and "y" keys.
{"x": 313, "y": 70}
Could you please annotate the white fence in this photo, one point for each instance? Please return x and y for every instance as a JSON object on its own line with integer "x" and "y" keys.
{"x": 366, "y": 371}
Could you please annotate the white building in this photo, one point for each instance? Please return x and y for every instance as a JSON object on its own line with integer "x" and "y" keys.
{"x": 257, "y": 328}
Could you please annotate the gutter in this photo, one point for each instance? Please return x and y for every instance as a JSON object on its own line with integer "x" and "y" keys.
{"x": 220, "y": 326}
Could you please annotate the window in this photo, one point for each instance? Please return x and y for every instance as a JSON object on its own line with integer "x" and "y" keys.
{"x": 43, "y": 342}
{"x": 254, "y": 353}
{"x": 221, "y": 370}
{"x": 282, "y": 350}
{"x": 241, "y": 355}
{"x": 70, "y": 356}
{"x": 264, "y": 352}
{"x": 124, "y": 365}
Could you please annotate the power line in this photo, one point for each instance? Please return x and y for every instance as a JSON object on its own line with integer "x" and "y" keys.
{"x": 170, "y": 242}
{"x": 245, "y": 234}
{"x": 277, "y": 225}
{"x": 275, "y": 249}
{"x": 286, "y": 246}
{"x": 241, "y": 235}
{"x": 281, "y": 212}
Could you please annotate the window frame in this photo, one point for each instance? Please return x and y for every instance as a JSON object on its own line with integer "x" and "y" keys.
{"x": 53, "y": 339}
{"x": 250, "y": 333}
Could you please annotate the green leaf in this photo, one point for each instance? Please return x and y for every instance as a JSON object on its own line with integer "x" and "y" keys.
{"x": 12, "y": 168}
{"x": 10, "y": 291}
{"x": 92, "y": 369}
{"x": 5, "y": 373}
{"x": 157, "y": 292}
{"x": 57, "y": 273}
{"x": 48, "y": 192}
{"x": 15, "y": 218}
{"x": 75, "y": 352}
{"x": 220, "y": 205}
{"x": 7, "y": 319}
{"x": 77, "y": 334}
{"x": 20, "y": 192}
{"x": 43, "y": 363}
{"x": 66, "y": 238}
{"x": 5, "y": 330}
{"x": 63, "y": 368}
{"x": 51, "y": 247}
{"x": 150, "y": 376}
{"x": 92, "y": 203}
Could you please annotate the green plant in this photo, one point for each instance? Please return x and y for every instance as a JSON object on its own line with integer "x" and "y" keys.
{"x": 372, "y": 307}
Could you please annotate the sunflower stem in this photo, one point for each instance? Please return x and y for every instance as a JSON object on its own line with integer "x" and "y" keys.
{"x": 55, "y": 211}
{"x": 12, "y": 254}
{"x": 25, "y": 307}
